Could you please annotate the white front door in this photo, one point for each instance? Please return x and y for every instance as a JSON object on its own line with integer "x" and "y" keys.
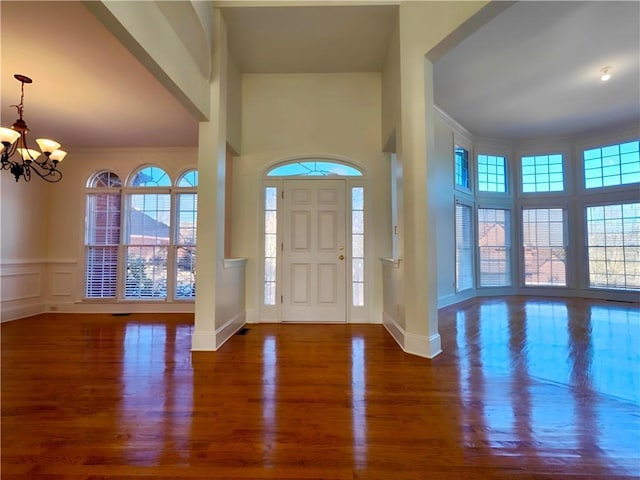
{"x": 314, "y": 251}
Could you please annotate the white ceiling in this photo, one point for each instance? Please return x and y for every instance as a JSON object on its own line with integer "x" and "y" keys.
{"x": 533, "y": 71}
{"x": 310, "y": 39}
{"x": 87, "y": 90}
{"x": 530, "y": 72}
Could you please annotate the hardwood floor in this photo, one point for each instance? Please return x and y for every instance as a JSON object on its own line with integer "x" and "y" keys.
{"x": 525, "y": 389}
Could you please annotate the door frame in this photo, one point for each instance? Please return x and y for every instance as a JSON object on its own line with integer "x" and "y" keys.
{"x": 273, "y": 313}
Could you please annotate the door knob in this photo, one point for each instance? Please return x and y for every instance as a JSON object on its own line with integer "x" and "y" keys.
{"x": 341, "y": 257}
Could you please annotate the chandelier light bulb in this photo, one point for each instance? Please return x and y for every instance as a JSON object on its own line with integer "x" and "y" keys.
{"x": 57, "y": 156}
{"x": 8, "y": 136}
{"x": 28, "y": 154}
{"x": 47, "y": 146}
{"x": 605, "y": 75}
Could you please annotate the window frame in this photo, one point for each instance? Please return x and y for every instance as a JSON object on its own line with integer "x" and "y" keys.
{"x": 566, "y": 173}
{"x": 125, "y": 191}
{"x": 177, "y": 192}
{"x": 509, "y": 246}
{"x": 459, "y": 201}
{"x": 508, "y": 192}
{"x": 97, "y": 190}
{"x": 600, "y": 142}
{"x": 585, "y": 224}
{"x": 566, "y": 245}
{"x": 461, "y": 143}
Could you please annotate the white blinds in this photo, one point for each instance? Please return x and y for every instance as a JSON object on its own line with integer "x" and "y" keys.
{"x": 494, "y": 247}
{"x": 544, "y": 247}
{"x": 102, "y": 237}
{"x": 464, "y": 247}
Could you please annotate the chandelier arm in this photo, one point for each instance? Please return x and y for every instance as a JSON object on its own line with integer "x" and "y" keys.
{"x": 52, "y": 175}
{"x": 8, "y": 153}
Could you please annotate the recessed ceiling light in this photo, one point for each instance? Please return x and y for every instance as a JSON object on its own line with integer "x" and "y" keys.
{"x": 605, "y": 74}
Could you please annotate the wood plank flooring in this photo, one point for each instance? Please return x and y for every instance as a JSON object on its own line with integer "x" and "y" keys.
{"x": 527, "y": 388}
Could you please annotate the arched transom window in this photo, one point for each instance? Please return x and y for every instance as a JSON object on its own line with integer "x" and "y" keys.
{"x": 314, "y": 168}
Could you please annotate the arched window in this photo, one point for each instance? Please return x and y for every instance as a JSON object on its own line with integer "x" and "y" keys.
{"x": 102, "y": 235}
{"x": 150, "y": 177}
{"x": 140, "y": 239}
{"x": 147, "y": 233}
{"x": 314, "y": 168}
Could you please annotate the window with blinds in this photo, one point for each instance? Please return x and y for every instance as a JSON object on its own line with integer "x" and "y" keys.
{"x": 140, "y": 239}
{"x": 494, "y": 247}
{"x": 544, "y": 249}
{"x": 147, "y": 234}
{"x": 613, "y": 246}
{"x": 464, "y": 247}
{"x": 185, "y": 235}
{"x": 102, "y": 235}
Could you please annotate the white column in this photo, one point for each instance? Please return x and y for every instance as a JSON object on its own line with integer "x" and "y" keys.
{"x": 422, "y": 26}
{"x": 417, "y": 234}
{"x": 211, "y": 189}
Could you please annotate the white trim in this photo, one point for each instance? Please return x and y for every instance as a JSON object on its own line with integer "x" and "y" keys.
{"x": 203, "y": 341}
{"x": 413, "y": 343}
{"x": 22, "y": 311}
{"x": 423, "y": 346}
{"x": 234, "y": 262}
{"x": 390, "y": 262}
{"x": 229, "y": 329}
{"x": 451, "y": 122}
{"x": 394, "y": 329}
{"x": 20, "y": 261}
{"x": 208, "y": 341}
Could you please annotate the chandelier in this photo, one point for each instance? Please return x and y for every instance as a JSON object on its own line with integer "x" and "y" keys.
{"x": 14, "y": 140}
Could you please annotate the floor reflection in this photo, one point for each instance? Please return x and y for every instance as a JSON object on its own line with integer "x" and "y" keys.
{"x": 614, "y": 340}
{"x": 152, "y": 369}
{"x": 358, "y": 403}
{"x": 269, "y": 381}
{"x": 543, "y": 376}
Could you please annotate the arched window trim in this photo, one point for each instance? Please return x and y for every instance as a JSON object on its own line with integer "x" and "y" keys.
{"x": 304, "y": 163}
{"x": 184, "y": 174}
{"x": 93, "y": 178}
{"x": 137, "y": 171}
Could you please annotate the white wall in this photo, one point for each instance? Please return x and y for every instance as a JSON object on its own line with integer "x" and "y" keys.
{"x": 234, "y": 105}
{"x": 391, "y": 91}
{"x": 296, "y": 115}
{"x": 445, "y": 216}
{"x": 24, "y": 220}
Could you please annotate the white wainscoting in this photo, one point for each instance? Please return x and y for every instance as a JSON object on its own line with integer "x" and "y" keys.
{"x": 22, "y": 283}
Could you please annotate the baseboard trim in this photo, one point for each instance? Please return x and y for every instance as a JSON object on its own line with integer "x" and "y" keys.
{"x": 16, "y": 313}
{"x": 423, "y": 346}
{"x": 394, "y": 329}
{"x": 229, "y": 329}
{"x": 210, "y": 341}
{"x": 203, "y": 341}
{"x": 420, "y": 345}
